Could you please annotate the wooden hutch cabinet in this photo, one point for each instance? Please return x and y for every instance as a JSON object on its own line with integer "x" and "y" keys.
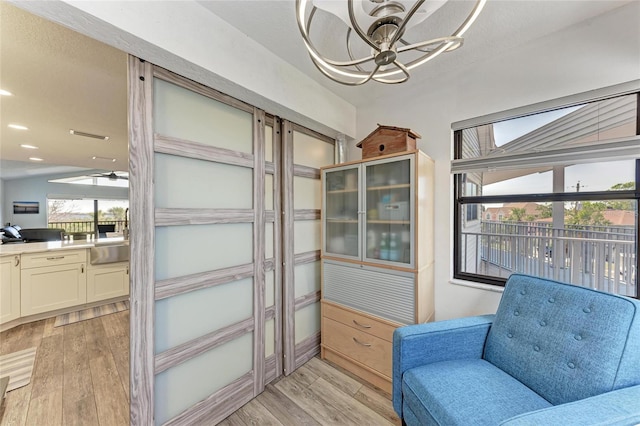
{"x": 377, "y": 258}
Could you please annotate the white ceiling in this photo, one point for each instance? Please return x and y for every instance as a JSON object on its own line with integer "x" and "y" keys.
{"x": 60, "y": 80}
{"x": 502, "y": 25}
{"x": 63, "y": 80}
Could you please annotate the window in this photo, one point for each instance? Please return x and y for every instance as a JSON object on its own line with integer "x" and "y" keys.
{"x": 80, "y": 216}
{"x": 471, "y": 189}
{"x": 559, "y": 194}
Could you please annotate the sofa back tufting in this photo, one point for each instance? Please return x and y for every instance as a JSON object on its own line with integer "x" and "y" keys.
{"x": 565, "y": 342}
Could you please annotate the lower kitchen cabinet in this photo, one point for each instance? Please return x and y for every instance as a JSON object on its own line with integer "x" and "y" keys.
{"x": 49, "y": 288}
{"x": 107, "y": 281}
{"x": 51, "y": 282}
{"x": 9, "y": 288}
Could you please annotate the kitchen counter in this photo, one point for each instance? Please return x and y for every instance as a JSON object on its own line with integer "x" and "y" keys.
{"x": 21, "y": 248}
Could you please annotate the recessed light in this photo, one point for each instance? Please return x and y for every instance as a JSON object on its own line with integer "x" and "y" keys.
{"x": 113, "y": 160}
{"x": 18, "y": 127}
{"x": 5, "y": 93}
{"x": 88, "y": 135}
{"x": 29, "y": 146}
{"x": 35, "y": 159}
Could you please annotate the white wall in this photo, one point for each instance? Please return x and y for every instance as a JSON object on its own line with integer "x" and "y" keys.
{"x": 594, "y": 54}
{"x": 38, "y": 189}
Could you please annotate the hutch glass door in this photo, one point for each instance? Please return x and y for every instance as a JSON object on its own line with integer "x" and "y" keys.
{"x": 342, "y": 234}
{"x": 389, "y": 211}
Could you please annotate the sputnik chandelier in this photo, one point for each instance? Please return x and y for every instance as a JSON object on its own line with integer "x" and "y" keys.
{"x": 384, "y": 27}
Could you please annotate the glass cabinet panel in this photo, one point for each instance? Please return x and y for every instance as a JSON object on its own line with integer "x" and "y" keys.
{"x": 389, "y": 211}
{"x": 341, "y": 211}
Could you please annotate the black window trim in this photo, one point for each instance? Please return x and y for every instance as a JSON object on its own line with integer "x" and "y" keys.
{"x": 460, "y": 200}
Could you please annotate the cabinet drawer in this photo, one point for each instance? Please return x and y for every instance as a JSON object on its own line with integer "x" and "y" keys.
{"x": 360, "y": 321}
{"x": 53, "y": 258}
{"x": 362, "y": 347}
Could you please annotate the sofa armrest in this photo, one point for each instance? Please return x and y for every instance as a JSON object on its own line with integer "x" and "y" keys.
{"x": 422, "y": 344}
{"x": 616, "y": 408}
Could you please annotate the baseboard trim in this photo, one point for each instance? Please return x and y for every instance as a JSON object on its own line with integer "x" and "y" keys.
{"x": 37, "y": 317}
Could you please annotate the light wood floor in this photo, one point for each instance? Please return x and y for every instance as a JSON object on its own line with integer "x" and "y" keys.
{"x": 316, "y": 394}
{"x": 81, "y": 377}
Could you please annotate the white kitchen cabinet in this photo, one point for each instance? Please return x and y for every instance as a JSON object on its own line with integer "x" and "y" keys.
{"x": 107, "y": 281}
{"x": 53, "y": 280}
{"x": 9, "y": 288}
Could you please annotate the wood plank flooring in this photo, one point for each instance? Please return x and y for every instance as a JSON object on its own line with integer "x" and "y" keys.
{"x": 81, "y": 377}
{"x": 316, "y": 394}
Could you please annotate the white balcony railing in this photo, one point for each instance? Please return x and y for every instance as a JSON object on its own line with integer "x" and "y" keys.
{"x": 602, "y": 259}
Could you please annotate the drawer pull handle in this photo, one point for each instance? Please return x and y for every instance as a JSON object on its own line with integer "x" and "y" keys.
{"x": 17, "y": 259}
{"x": 55, "y": 258}
{"x": 361, "y": 325}
{"x": 368, "y": 345}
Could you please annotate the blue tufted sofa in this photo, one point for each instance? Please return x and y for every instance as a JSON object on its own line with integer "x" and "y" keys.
{"x": 553, "y": 354}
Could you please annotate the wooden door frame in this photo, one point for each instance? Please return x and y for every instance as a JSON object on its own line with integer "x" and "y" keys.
{"x": 142, "y": 242}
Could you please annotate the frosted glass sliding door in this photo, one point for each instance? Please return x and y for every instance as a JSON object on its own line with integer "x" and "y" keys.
{"x": 200, "y": 295}
{"x": 214, "y": 313}
{"x": 304, "y": 152}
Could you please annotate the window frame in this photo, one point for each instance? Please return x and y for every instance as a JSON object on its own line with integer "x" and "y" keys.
{"x": 461, "y": 201}
{"x": 95, "y": 202}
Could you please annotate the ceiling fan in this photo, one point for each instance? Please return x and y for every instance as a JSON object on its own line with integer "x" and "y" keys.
{"x": 111, "y": 176}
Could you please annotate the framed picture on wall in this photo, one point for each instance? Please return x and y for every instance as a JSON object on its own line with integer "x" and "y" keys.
{"x": 26, "y": 207}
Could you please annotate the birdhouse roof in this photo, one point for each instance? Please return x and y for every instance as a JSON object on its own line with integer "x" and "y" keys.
{"x": 382, "y": 127}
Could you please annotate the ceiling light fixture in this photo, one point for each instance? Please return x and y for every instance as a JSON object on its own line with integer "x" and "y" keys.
{"x": 29, "y": 146}
{"x": 35, "y": 159}
{"x": 88, "y": 135}
{"x": 111, "y": 160}
{"x": 5, "y": 93}
{"x": 18, "y": 127}
{"x": 384, "y": 27}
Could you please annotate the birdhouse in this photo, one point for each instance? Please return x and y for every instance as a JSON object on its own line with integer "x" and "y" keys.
{"x": 388, "y": 140}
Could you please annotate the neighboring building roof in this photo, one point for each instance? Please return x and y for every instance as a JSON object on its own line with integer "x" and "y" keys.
{"x": 607, "y": 119}
{"x": 620, "y": 217}
{"x": 529, "y": 208}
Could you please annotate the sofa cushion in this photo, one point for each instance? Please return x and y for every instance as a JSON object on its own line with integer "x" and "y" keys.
{"x": 564, "y": 342}
{"x": 617, "y": 408}
{"x": 466, "y": 392}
